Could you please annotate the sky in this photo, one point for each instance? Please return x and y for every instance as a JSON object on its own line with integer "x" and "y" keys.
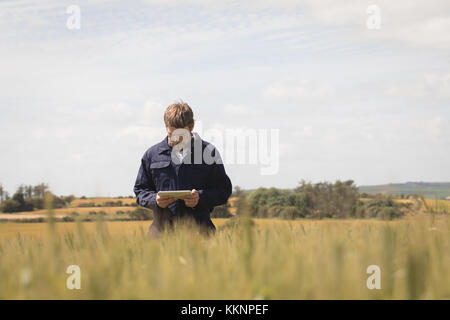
{"x": 339, "y": 98}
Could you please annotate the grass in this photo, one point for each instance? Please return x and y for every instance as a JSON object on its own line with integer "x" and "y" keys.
{"x": 272, "y": 259}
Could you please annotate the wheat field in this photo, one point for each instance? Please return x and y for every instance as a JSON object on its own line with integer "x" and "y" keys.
{"x": 272, "y": 259}
{"x": 438, "y": 205}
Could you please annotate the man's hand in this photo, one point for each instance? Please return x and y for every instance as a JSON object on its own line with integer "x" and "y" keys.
{"x": 164, "y": 201}
{"x": 192, "y": 199}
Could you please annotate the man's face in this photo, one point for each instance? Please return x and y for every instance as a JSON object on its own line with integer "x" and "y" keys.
{"x": 179, "y": 135}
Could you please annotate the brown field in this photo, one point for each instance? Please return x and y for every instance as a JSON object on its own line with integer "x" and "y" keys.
{"x": 438, "y": 205}
{"x": 61, "y": 212}
{"x": 74, "y": 207}
{"x": 83, "y": 210}
{"x": 101, "y": 201}
{"x": 396, "y": 200}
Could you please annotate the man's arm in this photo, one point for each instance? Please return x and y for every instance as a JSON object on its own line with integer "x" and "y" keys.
{"x": 144, "y": 187}
{"x": 218, "y": 191}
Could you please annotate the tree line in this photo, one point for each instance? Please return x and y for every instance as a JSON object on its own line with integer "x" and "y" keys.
{"x": 29, "y": 198}
{"x": 321, "y": 200}
{"x": 340, "y": 199}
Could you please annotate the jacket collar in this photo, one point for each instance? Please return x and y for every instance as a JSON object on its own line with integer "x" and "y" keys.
{"x": 164, "y": 145}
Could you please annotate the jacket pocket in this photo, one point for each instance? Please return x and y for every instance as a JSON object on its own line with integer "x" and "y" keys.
{"x": 162, "y": 175}
{"x": 159, "y": 164}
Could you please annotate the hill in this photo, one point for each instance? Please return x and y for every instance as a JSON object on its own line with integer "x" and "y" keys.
{"x": 440, "y": 190}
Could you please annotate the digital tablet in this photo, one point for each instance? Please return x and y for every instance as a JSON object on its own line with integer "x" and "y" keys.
{"x": 176, "y": 194}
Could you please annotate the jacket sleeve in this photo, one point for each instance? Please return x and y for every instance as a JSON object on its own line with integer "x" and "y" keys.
{"x": 144, "y": 187}
{"x": 218, "y": 191}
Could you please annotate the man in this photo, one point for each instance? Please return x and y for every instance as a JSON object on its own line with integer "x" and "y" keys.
{"x": 181, "y": 161}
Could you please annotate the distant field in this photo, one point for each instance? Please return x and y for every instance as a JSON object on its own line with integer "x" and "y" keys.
{"x": 101, "y": 201}
{"x": 439, "y": 205}
{"x": 428, "y": 189}
{"x": 396, "y": 200}
{"x": 61, "y": 212}
{"x": 83, "y": 210}
{"x": 98, "y": 204}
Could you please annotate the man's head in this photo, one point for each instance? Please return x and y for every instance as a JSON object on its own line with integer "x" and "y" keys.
{"x": 179, "y": 121}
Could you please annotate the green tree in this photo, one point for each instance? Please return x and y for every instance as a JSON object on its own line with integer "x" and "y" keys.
{"x": 141, "y": 213}
{"x": 326, "y": 200}
{"x": 9, "y": 206}
{"x": 237, "y": 192}
{"x": 221, "y": 211}
{"x": 40, "y": 190}
{"x": 270, "y": 202}
{"x": 28, "y": 191}
{"x": 17, "y": 203}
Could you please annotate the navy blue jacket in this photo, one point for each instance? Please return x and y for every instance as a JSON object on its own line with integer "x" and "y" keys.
{"x": 158, "y": 172}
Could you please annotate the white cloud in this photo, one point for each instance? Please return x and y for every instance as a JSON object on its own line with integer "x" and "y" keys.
{"x": 430, "y": 85}
{"x": 299, "y": 91}
{"x": 415, "y": 22}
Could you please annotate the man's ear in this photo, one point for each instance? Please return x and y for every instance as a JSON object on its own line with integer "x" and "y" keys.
{"x": 192, "y": 127}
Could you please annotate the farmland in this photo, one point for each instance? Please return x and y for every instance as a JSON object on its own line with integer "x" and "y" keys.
{"x": 259, "y": 258}
{"x": 270, "y": 259}
{"x": 111, "y": 207}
